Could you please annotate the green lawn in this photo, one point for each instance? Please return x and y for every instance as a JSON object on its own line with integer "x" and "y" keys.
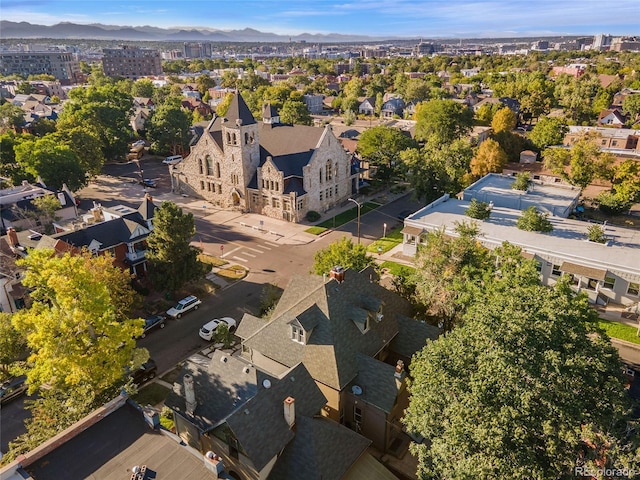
{"x": 152, "y": 394}
{"x": 397, "y": 268}
{"x": 348, "y": 215}
{"x": 316, "y": 230}
{"x": 393, "y": 238}
{"x": 620, "y": 331}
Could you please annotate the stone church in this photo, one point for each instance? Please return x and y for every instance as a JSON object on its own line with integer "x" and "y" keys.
{"x": 278, "y": 170}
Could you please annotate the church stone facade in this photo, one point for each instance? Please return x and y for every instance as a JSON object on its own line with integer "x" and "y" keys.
{"x": 278, "y": 170}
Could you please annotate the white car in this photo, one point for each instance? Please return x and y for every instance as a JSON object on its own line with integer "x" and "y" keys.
{"x": 208, "y": 330}
{"x": 172, "y": 160}
{"x": 183, "y": 306}
{"x": 138, "y": 142}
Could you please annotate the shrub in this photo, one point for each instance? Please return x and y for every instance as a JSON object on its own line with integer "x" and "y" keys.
{"x": 534, "y": 221}
{"x": 269, "y": 297}
{"x": 612, "y": 204}
{"x": 595, "y": 233}
{"x": 522, "y": 182}
{"x": 478, "y": 210}
{"x": 223, "y": 335}
{"x": 313, "y": 216}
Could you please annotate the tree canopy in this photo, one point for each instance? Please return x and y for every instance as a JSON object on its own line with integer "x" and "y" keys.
{"x": 489, "y": 158}
{"x": 342, "y": 253}
{"x": 168, "y": 129}
{"x": 445, "y": 120}
{"x": 533, "y": 220}
{"x": 382, "y": 146}
{"x": 504, "y": 120}
{"x": 527, "y": 387}
{"x": 548, "y": 131}
{"x": 173, "y": 261}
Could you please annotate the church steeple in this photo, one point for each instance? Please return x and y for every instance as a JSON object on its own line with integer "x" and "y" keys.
{"x": 238, "y": 110}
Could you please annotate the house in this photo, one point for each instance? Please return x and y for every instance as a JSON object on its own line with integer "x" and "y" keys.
{"x": 620, "y": 96}
{"x": 139, "y": 118}
{"x": 119, "y": 440}
{"x": 619, "y": 140}
{"x": 367, "y": 106}
{"x": 120, "y": 231}
{"x": 535, "y": 170}
{"x": 195, "y": 104}
{"x": 528, "y": 156}
{"x": 394, "y": 107}
{"x": 18, "y": 210}
{"x": 313, "y": 102}
{"x": 278, "y": 170}
{"x": 612, "y": 117}
{"x": 262, "y": 426}
{"x": 608, "y": 272}
{"x": 144, "y": 102}
{"x": 355, "y": 339}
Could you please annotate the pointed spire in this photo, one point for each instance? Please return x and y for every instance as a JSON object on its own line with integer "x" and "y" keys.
{"x": 238, "y": 110}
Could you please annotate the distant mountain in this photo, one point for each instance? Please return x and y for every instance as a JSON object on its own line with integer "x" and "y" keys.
{"x": 98, "y": 31}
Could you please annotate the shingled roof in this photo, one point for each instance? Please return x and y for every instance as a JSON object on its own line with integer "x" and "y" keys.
{"x": 238, "y": 110}
{"x": 330, "y": 352}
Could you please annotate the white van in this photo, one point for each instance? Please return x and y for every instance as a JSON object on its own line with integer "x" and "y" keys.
{"x": 173, "y": 160}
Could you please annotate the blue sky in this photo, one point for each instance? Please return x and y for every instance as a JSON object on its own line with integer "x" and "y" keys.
{"x": 397, "y": 18}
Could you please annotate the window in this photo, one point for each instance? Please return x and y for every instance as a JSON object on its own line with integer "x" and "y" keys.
{"x": 271, "y": 183}
{"x": 320, "y": 175}
{"x": 538, "y": 267}
{"x": 246, "y": 138}
{"x": 208, "y": 186}
{"x": 209, "y": 165}
{"x": 277, "y": 186}
{"x": 536, "y": 177}
{"x": 219, "y": 188}
{"x": 201, "y": 185}
{"x": 336, "y": 190}
{"x": 557, "y": 180}
{"x": 297, "y": 334}
{"x": 200, "y": 165}
{"x": 592, "y": 284}
{"x": 357, "y": 418}
{"x": 218, "y": 169}
{"x": 609, "y": 282}
{"x": 555, "y": 270}
{"x": 275, "y": 202}
{"x": 604, "y": 142}
{"x": 328, "y": 173}
{"x": 321, "y": 192}
{"x": 633, "y": 289}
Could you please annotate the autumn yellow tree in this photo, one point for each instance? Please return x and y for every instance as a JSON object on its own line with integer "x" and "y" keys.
{"x": 489, "y": 158}
{"x": 504, "y": 120}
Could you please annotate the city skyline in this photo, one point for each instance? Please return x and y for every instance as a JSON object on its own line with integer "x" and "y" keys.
{"x": 375, "y": 18}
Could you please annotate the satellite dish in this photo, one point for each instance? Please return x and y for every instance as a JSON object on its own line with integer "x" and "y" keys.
{"x": 356, "y": 390}
{"x": 266, "y": 383}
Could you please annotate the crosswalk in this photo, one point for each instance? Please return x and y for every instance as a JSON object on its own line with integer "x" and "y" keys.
{"x": 245, "y": 253}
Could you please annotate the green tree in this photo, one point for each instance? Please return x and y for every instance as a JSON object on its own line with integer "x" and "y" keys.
{"x": 486, "y": 112}
{"x": 584, "y": 159}
{"x": 631, "y": 106}
{"x": 70, "y": 302}
{"x": 11, "y": 117}
{"x": 86, "y": 145}
{"x": 504, "y": 120}
{"x": 489, "y": 158}
{"x": 342, "y": 253}
{"x": 143, "y": 88}
{"x": 168, "y": 129}
{"x": 104, "y": 111}
{"x": 478, "y": 210}
{"x": 548, "y": 131}
{"x": 13, "y": 346}
{"x": 173, "y": 261}
{"x": 56, "y": 164}
{"x": 445, "y": 120}
{"x": 348, "y": 117}
{"x": 223, "y": 106}
{"x": 43, "y": 126}
{"x": 534, "y": 221}
{"x": 381, "y": 146}
{"x": 295, "y": 112}
{"x": 205, "y": 82}
{"x": 9, "y": 167}
{"x": 521, "y": 182}
{"x": 482, "y": 395}
{"x": 595, "y": 233}
{"x": 24, "y": 88}
{"x": 417, "y": 90}
{"x": 445, "y": 267}
{"x": 46, "y": 208}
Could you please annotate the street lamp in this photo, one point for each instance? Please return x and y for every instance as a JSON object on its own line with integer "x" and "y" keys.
{"x": 384, "y": 230}
{"x": 359, "y": 206}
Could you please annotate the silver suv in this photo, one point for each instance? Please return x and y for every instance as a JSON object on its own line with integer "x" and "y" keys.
{"x": 183, "y": 306}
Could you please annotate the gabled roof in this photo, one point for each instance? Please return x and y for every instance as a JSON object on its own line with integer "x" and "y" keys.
{"x": 238, "y": 110}
{"x": 378, "y": 384}
{"x": 147, "y": 208}
{"x": 260, "y": 426}
{"x": 125, "y": 229}
{"x": 269, "y": 111}
{"x": 330, "y": 351}
{"x": 321, "y": 449}
{"x": 412, "y": 335}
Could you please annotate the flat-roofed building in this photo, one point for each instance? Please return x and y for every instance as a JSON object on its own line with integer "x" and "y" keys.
{"x": 64, "y": 66}
{"x": 131, "y": 62}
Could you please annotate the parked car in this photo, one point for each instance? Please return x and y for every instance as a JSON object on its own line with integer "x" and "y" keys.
{"x": 172, "y": 160}
{"x": 138, "y": 142}
{"x": 146, "y": 372}
{"x": 12, "y": 389}
{"x": 148, "y": 182}
{"x": 183, "y": 306}
{"x": 208, "y": 330}
{"x": 154, "y": 321}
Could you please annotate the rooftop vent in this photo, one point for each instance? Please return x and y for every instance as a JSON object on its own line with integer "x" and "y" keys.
{"x": 224, "y": 359}
{"x": 246, "y": 370}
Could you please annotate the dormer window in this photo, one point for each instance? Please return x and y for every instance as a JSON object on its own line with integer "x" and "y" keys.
{"x": 297, "y": 334}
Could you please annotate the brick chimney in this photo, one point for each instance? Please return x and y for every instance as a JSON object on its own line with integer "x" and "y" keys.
{"x": 290, "y": 411}
{"x": 148, "y": 197}
{"x": 189, "y": 394}
{"x": 12, "y": 237}
{"x": 337, "y": 272}
{"x": 399, "y": 373}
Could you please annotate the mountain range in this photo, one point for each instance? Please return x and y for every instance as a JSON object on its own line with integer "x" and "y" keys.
{"x": 97, "y": 31}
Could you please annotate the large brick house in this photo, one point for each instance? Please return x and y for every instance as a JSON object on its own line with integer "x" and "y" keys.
{"x": 278, "y": 170}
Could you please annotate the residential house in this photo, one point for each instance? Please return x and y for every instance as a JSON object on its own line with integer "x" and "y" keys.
{"x": 262, "y": 426}
{"x": 608, "y": 272}
{"x": 278, "y": 170}
{"x": 313, "y": 102}
{"x": 138, "y": 119}
{"x": 367, "y": 106}
{"x": 195, "y": 104}
{"x": 394, "y": 107}
{"x": 612, "y": 117}
{"x": 470, "y": 72}
{"x": 617, "y": 140}
{"x": 355, "y": 339}
{"x": 119, "y": 440}
{"x": 535, "y": 170}
{"x": 620, "y": 96}
{"x": 18, "y": 210}
{"x": 144, "y": 102}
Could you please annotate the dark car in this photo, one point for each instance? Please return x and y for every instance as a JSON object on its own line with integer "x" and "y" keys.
{"x": 12, "y": 389}
{"x": 154, "y": 321}
{"x": 146, "y": 372}
{"x": 148, "y": 182}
